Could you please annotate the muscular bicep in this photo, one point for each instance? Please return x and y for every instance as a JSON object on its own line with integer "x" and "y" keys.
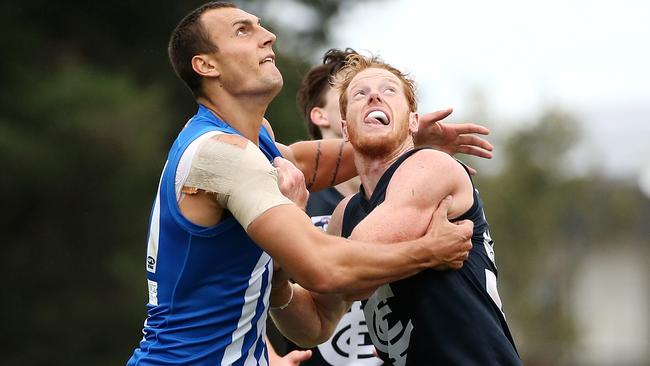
{"x": 416, "y": 189}
{"x": 394, "y": 220}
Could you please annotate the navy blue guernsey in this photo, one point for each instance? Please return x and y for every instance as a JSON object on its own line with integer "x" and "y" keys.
{"x": 320, "y": 206}
{"x": 438, "y": 317}
{"x": 323, "y": 202}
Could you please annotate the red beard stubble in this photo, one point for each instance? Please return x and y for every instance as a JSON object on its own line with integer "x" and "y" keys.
{"x": 375, "y": 145}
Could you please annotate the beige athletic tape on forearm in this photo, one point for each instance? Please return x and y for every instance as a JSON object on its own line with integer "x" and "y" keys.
{"x": 243, "y": 179}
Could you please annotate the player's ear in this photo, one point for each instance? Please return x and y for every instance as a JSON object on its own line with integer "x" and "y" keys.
{"x": 206, "y": 66}
{"x": 414, "y": 122}
{"x": 344, "y": 130}
{"x": 318, "y": 116}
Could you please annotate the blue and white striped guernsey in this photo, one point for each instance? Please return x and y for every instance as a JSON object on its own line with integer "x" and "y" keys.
{"x": 208, "y": 286}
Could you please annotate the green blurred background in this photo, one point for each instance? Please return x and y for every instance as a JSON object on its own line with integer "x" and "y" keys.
{"x": 89, "y": 106}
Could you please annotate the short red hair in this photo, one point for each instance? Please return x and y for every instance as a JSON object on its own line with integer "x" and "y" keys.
{"x": 356, "y": 63}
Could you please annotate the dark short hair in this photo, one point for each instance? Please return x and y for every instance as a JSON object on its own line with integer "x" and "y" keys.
{"x": 189, "y": 39}
{"x": 315, "y": 84}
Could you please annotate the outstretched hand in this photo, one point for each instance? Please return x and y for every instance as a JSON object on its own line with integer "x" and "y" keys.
{"x": 452, "y": 138}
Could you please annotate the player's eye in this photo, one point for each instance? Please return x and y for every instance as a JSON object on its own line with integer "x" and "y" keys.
{"x": 241, "y": 31}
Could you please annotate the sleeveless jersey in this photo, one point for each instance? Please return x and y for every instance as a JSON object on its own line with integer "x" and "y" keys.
{"x": 350, "y": 345}
{"x": 208, "y": 286}
{"x": 438, "y": 317}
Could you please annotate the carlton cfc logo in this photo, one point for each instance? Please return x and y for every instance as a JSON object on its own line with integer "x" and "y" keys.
{"x": 390, "y": 337}
{"x": 350, "y": 344}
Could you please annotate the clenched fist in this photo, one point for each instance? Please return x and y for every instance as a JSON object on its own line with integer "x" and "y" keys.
{"x": 291, "y": 182}
{"x": 453, "y": 241}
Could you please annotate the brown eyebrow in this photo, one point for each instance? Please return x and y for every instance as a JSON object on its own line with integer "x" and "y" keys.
{"x": 247, "y": 22}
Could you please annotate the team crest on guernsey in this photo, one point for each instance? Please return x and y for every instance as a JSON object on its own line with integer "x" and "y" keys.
{"x": 350, "y": 344}
{"x": 390, "y": 337}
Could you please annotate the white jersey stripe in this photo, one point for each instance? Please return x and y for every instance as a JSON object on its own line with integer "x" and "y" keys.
{"x": 261, "y": 323}
{"x": 263, "y": 361}
{"x": 234, "y": 350}
{"x": 154, "y": 232}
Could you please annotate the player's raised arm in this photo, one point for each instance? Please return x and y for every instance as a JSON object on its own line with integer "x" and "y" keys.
{"x": 325, "y": 163}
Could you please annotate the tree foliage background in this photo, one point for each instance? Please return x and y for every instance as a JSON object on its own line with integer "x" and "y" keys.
{"x": 88, "y": 108}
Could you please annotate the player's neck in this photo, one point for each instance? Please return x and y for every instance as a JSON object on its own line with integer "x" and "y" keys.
{"x": 348, "y": 187}
{"x": 371, "y": 168}
{"x": 242, "y": 113}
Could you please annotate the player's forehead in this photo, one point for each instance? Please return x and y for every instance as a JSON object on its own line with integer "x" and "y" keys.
{"x": 374, "y": 75}
{"x": 225, "y": 18}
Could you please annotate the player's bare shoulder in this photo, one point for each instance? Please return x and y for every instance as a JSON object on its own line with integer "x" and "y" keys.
{"x": 428, "y": 176}
{"x": 430, "y": 159}
{"x": 428, "y": 167}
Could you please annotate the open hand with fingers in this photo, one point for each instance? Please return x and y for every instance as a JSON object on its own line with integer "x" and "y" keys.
{"x": 452, "y": 138}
